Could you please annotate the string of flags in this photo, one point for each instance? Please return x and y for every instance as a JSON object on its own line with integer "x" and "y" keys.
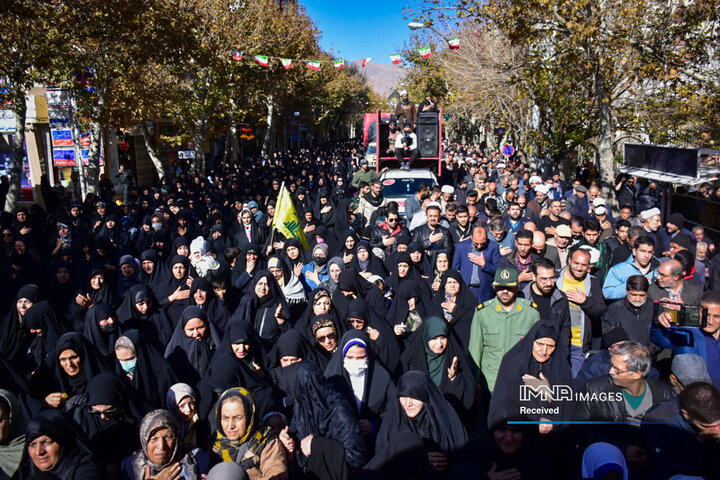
{"x": 288, "y": 63}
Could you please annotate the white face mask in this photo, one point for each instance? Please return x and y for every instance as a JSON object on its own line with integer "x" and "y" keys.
{"x": 355, "y": 368}
{"x": 157, "y": 226}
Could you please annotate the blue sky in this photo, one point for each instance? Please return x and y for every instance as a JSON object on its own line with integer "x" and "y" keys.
{"x": 354, "y": 30}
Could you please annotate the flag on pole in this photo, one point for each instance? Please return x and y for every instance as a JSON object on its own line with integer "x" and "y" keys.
{"x": 262, "y": 60}
{"x": 313, "y": 65}
{"x": 425, "y": 52}
{"x": 339, "y": 64}
{"x": 286, "y": 62}
{"x": 366, "y": 61}
{"x": 395, "y": 59}
{"x": 454, "y": 43}
{"x": 237, "y": 55}
{"x": 286, "y": 220}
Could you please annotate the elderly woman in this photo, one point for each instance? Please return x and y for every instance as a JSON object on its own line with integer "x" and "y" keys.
{"x": 162, "y": 454}
{"x": 239, "y": 440}
{"x": 54, "y": 449}
{"x": 12, "y": 436}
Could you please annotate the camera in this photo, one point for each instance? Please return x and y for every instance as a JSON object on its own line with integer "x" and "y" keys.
{"x": 693, "y": 316}
{"x": 406, "y": 140}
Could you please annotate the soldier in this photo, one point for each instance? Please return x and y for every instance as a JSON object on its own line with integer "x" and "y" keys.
{"x": 499, "y": 323}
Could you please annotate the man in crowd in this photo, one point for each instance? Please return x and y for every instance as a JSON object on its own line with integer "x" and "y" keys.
{"x": 413, "y": 204}
{"x": 634, "y": 313}
{"x": 561, "y": 241}
{"x": 406, "y": 146}
{"x": 433, "y": 236}
{"x": 641, "y": 262}
{"x": 586, "y": 305}
{"x": 477, "y": 261}
{"x": 550, "y": 302}
{"x": 521, "y": 258}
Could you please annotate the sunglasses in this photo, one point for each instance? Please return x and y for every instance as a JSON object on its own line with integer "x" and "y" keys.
{"x": 326, "y": 338}
{"x": 105, "y": 413}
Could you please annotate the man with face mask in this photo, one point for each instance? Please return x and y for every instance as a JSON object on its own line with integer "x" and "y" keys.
{"x": 316, "y": 272}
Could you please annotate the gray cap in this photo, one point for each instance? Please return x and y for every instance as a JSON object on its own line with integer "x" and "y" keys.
{"x": 581, "y": 189}
{"x": 227, "y": 471}
{"x": 689, "y": 368}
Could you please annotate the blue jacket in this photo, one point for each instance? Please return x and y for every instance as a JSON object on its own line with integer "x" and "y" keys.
{"x": 462, "y": 263}
{"x": 614, "y": 286}
{"x": 323, "y": 275}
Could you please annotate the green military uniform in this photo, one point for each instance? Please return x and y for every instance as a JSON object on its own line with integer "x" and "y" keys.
{"x": 494, "y": 330}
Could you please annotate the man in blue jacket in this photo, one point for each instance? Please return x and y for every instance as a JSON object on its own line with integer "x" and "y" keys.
{"x": 641, "y": 262}
{"x": 477, "y": 261}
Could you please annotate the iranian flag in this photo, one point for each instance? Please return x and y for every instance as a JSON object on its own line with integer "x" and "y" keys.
{"x": 237, "y": 55}
{"x": 454, "y": 43}
{"x": 425, "y": 52}
{"x": 395, "y": 59}
{"x": 262, "y": 60}
{"x": 339, "y": 64}
{"x": 313, "y": 65}
{"x": 286, "y": 63}
{"x": 366, "y": 61}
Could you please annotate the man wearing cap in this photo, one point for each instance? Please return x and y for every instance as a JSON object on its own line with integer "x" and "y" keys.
{"x": 537, "y": 205}
{"x": 406, "y": 111}
{"x": 447, "y": 193}
{"x": 498, "y": 324}
{"x": 651, "y": 224}
{"x": 634, "y": 313}
{"x": 602, "y": 215}
{"x": 577, "y": 193}
{"x": 364, "y": 174}
{"x": 561, "y": 241}
{"x": 641, "y": 262}
{"x": 674, "y": 226}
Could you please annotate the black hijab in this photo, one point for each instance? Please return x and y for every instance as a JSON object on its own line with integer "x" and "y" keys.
{"x": 14, "y": 339}
{"x": 260, "y": 312}
{"x": 437, "y": 423}
{"x": 102, "y": 337}
{"x": 175, "y": 309}
{"x": 386, "y": 346}
{"x": 106, "y": 293}
{"x": 154, "y": 324}
{"x": 76, "y": 460}
{"x": 379, "y": 387}
{"x": 41, "y": 317}
{"x": 395, "y": 281}
{"x": 191, "y": 358}
{"x": 460, "y": 391}
{"x": 227, "y": 370}
{"x": 465, "y": 303}
{"x": 519, "y": 361}
{"x": 159, "y": 275}
{"x": 92, "y": 363}
{"x": 152, "y": 376}
{"x": 350, "y": 281}
{"x": 321, "y": 411}
{"x": 216, "y": 311}
{"x": 423, "y": 303}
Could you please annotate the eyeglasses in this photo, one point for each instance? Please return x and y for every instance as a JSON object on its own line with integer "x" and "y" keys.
{"x": 619, "y": 372}
{"x": 326, "y": 338}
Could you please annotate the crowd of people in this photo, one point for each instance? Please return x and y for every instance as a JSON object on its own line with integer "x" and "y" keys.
{"x": 503, "y": 324}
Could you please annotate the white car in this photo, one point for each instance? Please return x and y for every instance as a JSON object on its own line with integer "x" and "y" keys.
{"x": 398, "y": 184}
